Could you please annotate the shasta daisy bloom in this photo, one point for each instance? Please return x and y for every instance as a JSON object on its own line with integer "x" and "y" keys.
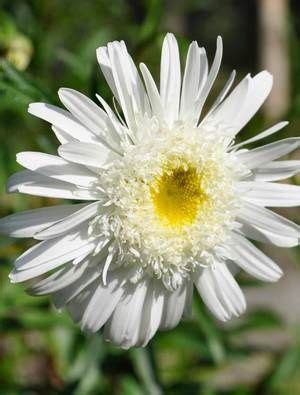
{"x": 170, "y": 200}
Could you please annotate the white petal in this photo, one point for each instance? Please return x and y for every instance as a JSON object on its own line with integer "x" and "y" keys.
{"x": 268, "y": 220}
{"x": 260, "y": 87}
{"x": 204, "y": 92}
{"x": 56, "y": 167}
{"x": 93, "y": 268}
{"x": 136, "y": 88}
{"x": 270, "y": 194}
{"x": 187, "y": 312}
{"x": 227, "y": 289}
{"x": 105, "y": 65}
{"x": 153, "y": 94}
{"x": 88, "y": 154}
{"x": 121, "y": 75}
{"x": 192, "y": 112}
{"x": 50, "y": 254}
{"x": 77, "y": 306}
{"x": 84, "y": 109}
{"x": 124, "y": 325}
{"x": 62, "y": 136}
{"x": 170, "y": 78}
{"x": 152, "y": 312}
{"x": 60, "y": 279}
{"x": 174, "y": 303}
{"x": 206, "y": 287}
{"x": 64, "y": 296}
{"x": 26, "y": 177}
{"x": 262, "y": 155}
{"x": 27, "y": 223}
{"x": 32, "y": 183}
{"x": 118, "y": 130}
{"x": 252, "y": 260}
{"x": 203, "y": 69}
{"x": 61, "y": 119}
{"x": 190, "y": 84}
{"x": 228, "y": 111}
{"x": 266, "y": 236}
{"x": 111, "y": 257}
{"x": 69, "y": 222}
{"x": 17, "y": 276}
{"x": 103, "y": 302}
{"x": 91, "y": 115}
{"x": 262, "y": 135}
{"x": 222, "y": 94}
{"x": 275, "y": 171}
{"x": 115, "y": 77}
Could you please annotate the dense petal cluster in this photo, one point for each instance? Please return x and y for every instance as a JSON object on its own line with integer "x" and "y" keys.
{"x": 169, "y": 199}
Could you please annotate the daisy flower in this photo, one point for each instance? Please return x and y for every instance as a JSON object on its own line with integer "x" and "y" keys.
{"x": 169, "y": 199}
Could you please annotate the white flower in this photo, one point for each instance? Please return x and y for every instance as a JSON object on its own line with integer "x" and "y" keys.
{"x": 174, "y": 199}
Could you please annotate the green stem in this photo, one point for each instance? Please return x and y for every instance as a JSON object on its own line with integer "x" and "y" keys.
{"x": 144, "y": 365}
{"x": 210, "y": 331}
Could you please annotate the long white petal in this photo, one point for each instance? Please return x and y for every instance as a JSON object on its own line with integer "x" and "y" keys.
{"x": 105, "y": 65}
{"x": 268, "y": 220}
{"x": 275, "y": 171}
{"x": 84, "y": 109}
{"x": 93, "y": 265}
{"x": 204, "y": 92}
{"x": 32, "y": 183}
{"x": 227, "y": 289}
{"x": 27, "y": 223}
{"x": 118, "y": 131}
{"x": 187, "y": 312}
{"x": 62, "y": 119}
{"x": 49, "y": 254}
{"x": 124, "y": 325}
{"x": 152, "y": 312}
{"x": 120, "y": 72}
{"x": 260, "y": 87}
{"x": 137, "y": 89}
{"x": 58, "y": 280}
{"x": 228, "y": 111}
{"x": 88, "y": 154}
{"x": 190, "y": 84}
{"x": 91, "y": 115}
{"x": 174, "y": 303}
{"x": 69, "y": 222}
{"x": 77, "y": 306}
{"x": 260, "y": 156}
{"x": 170, "y": 78}
{"x": 252, "y": 260}
{"x": 103, "y": 302}
{"x": 206, "y": 287}
{"x": 64, "y": 296}
{"x": 222, "y": 94}
{"x": 62, "y": 136}
{"x": 203, "y": 69}
{"x": 262, "y": 135}
{"x": 270, "y": 194}
{"x": 267, "y": 236}
{"x": 56, "y": 167}
{"x": 133, "y": 83}
{"x": 153, "y": 94}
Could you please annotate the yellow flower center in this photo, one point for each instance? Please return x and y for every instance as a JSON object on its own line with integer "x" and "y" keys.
{"x": 177, "y": 196}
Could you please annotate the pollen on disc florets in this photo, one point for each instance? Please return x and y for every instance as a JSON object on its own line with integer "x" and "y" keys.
{"x": 173, "y": 201}
{"x": 177, "y": 195}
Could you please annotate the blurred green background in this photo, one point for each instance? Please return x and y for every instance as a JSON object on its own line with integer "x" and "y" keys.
{"x": 48, "y": 44}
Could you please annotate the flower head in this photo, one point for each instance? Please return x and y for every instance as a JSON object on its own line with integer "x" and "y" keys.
{"x": 171, "y": 199}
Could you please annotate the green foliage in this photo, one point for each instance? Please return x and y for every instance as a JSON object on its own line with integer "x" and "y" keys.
{"x": 41, "y": 350}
